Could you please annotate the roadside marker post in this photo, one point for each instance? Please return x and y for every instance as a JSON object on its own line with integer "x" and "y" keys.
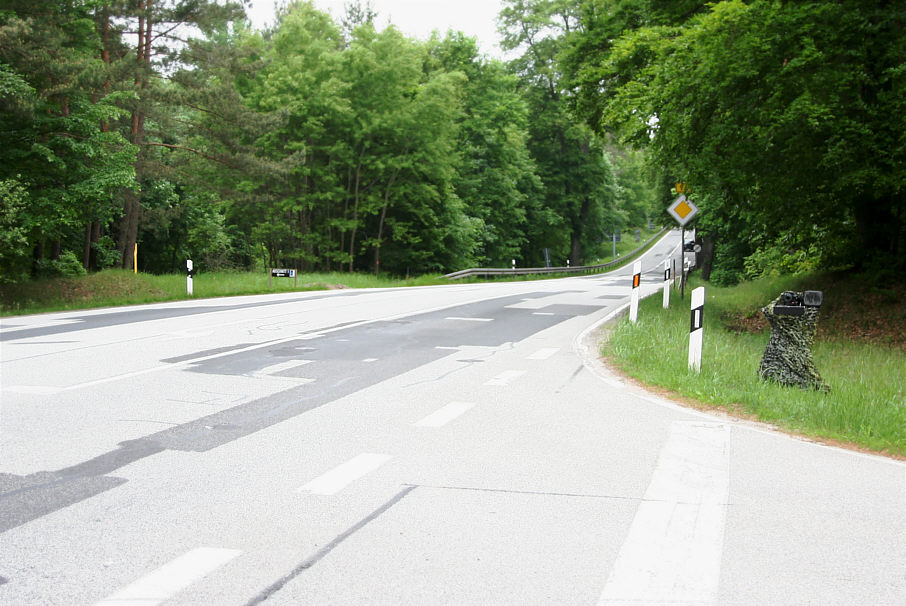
{"x": 667, "y": 284}
{"x": 190, "y": 272}
{"x": 636, "y": 283}
{"x": 695, "y": 329}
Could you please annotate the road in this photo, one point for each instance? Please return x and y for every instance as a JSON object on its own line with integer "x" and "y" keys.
{"x": 441, "y": 445}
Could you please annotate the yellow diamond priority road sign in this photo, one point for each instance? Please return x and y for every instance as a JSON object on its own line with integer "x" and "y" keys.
{"x": 682, "y": 210}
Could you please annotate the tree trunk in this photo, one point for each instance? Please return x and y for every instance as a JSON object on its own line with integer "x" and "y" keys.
{"x": 380, "y": 233}
{"x": 879, "y": 231}
{"x": 578, "y": 227}
{"x": 127, "y": 234}
{"x": 86, "y": 250}
{"x": 355, "y": 210}
{"x": 707, "y": 257}
{"x": 37, "y": 256}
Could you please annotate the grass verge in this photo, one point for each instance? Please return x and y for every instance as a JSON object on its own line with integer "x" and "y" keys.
{"x": 112, "y": 287}
{"x": 121, "y": 287}
{"x": 865, "y": 407}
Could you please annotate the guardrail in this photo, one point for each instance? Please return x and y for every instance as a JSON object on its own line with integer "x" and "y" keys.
{"x": 488, "y": 272}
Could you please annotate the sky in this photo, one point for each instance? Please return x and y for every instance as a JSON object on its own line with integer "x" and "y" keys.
{"x": 416, "y": 18}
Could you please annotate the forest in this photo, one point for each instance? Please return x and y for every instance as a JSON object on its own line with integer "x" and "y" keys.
{"x": 318, "y": 144}
{"x": 326, "y": 143}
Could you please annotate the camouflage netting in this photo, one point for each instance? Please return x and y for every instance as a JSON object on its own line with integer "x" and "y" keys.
{"x": 788, "y": 357}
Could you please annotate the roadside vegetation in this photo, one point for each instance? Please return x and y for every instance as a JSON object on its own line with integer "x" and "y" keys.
{"x": 115, "y": 287}
{"x": 860, "y": 351}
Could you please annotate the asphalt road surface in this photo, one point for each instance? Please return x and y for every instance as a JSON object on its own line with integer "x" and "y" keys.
{"x": 442, "y": 445}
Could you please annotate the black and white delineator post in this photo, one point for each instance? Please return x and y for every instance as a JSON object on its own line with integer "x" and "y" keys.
{"x": 636, "y": 283}
{"x": 667, "y": 284}
{"x": 695, "y": 329}
{"x": 189, "y": 273}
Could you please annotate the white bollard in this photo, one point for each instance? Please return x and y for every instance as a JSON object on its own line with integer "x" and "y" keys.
{"x": 514, "y": 264}
{"x": 695, "y": 329}
{"x": 189, "y": 274}
{"x": 636, "y": 283}
{"x": 667, "y": 284}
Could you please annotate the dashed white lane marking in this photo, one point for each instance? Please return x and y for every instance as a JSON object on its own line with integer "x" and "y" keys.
{"x": 171, "y": 578}
{"x": 275, "y": 368}
{"x": 542, "y": 313}
{"x": 370, "y": 360}
{"x": 505, "y": 378}
{"x": 447, "y": 347}
{"x": 444, "y": 415}
{"x": 673, "y": 551}
{"x": 459, "y": 319}
{"x": 341, "y": 476}
{"x": 543, "y": 354}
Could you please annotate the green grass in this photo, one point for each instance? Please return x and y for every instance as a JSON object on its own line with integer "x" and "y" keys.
{"x": 119, "y": 287}
{"x": 112, "y": 288}
{"x": 865, "y": 406}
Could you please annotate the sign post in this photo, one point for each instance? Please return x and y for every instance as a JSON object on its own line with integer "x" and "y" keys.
{"x": 683, "y": 210}
{"x": 695, "y": 329}
{"x": 636, "y": 283}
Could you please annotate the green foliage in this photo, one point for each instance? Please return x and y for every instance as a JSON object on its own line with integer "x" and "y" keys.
{"x": 779, "y": 114}
{"x": 13, "y": 202}
{"x": 581, "y": 197}
{"x": 316, "y": 144}
{"x": 864, "y": 406}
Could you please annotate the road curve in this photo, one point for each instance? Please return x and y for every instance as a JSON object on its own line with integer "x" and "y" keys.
{"x": 443, "y": 445}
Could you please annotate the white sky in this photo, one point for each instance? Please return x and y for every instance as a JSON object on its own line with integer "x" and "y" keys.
{"x": 416, "y": 18}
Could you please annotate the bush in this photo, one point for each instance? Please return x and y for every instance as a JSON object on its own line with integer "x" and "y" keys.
{"x": 68, "y": 266}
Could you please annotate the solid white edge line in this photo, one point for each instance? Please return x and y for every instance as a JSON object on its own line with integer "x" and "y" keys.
{"x": 169, "y": 579}
{"x": 341, "y": 476}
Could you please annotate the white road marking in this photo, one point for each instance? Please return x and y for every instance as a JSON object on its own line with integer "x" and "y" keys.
{"x": 341, "y": 476}
{"x": 275, "y": 368}
{"x": 505, "y": 378}
{"x": 166, "y": 581}
{"x": 543, "y": 354}
{"x": 46, "y": 324}
{"x": 189, "y": 334}
{"x": 543, "y": 313}
{"x": 673, "y": 551}
{"x": 457, "y": 318}
{"x": 41, "y": 390}
{"x": 444, "y": 415}
{"x": 446, "y": 347}
{"x": 370, "y": 360}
